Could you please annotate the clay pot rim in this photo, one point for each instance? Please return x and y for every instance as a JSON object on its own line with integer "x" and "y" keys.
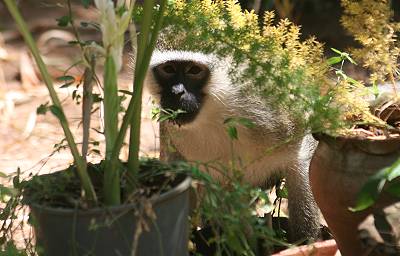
{"x": 324, "y": 136}
{"x": 369, "y": 146}
{"x": 154, "y": 200}
{"x": 327, "y": 247}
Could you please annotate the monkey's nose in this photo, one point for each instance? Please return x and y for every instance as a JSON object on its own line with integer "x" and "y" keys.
{"x": 178, "y": 89}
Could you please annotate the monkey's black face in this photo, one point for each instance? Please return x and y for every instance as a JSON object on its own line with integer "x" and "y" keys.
{"x": 181, "y": 87}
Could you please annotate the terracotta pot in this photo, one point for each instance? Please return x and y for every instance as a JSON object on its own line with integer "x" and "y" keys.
{"x": 338, "y": 170}
{"x": 324, "y": 248}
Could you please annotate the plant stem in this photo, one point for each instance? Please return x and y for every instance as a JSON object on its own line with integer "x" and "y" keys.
{"x": 133, "y": 159}
{"x": 111, "y": 185}
{"x": 142, "y": 63}
{"x": 133, "y": 162}
{"x": 79, "y": 162}
{"x": 87, "y": 103}
{"x": 74, "y": 30}
{"x": 134, "y": 107}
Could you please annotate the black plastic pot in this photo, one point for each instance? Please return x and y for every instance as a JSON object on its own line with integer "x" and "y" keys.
{"x": 111, "y": 231}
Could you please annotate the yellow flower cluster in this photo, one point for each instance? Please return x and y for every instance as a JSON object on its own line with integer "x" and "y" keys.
{"x": 286, "y": 36}
{"x": 370, "y": 22}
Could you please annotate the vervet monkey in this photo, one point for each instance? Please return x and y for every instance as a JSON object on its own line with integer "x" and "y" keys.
{"x": 199, "y": 85}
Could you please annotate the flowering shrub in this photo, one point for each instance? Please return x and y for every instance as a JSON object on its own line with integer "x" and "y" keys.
{"x": 270, "y": 61}
{"x": 371, "y": 23}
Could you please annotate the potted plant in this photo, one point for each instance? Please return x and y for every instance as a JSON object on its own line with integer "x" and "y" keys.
{"x": 108, "y": 208}
{"x": 360, "y": 156}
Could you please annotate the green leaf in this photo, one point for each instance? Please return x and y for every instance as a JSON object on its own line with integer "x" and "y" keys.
{"x": 246, "y": 122}
{"x": 337, "y": 51}
{"x": 351, "y": 60}
{"x": 57, "y": 112}
{"x": 65, "y": 78}
{"x": 96, "y": 97}
{"x": 7, "y": 191}
{"x": 86, "y": 3}
{"x": 352, "y": 81}
{"x": 343, "y": 56}
{"x": 394, "y": 171}
{"x": 121, "y": 10}
{"x": 11, "y": 249}
{"x": 370, "y": 191}
{"x": 282, "y": 193}
{"x": 155, "y": 112}
{"x": 126, "y": 92}
{"x": 341, "y": 73}
{"x": 66, "y": 85}
{"x": 42, "y": 109}
{"x": 74, "y": 42}
{"x": 64, "y": 21}
{"x": 232, "y": 132}
{"x": 163, "y": 118}
{"x": 234, "y": 242}
{"x": 239, "y": 120}
{"x": 229, "y": 120}
{"x": 394, "y": 189}
{"x": 16, "y": 179}
{"x": 334, "y": 60}
{"x": 375, "y": 90}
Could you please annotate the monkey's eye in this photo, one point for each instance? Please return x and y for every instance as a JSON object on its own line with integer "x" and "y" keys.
{"x": 194, "y": 70}
{"x": 168, "y": 69}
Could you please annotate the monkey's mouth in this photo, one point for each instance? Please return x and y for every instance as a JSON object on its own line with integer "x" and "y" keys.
{"x": 178, "y": 116}
{"x": 182, "y": 109}
{"x": 183, "y": 118}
